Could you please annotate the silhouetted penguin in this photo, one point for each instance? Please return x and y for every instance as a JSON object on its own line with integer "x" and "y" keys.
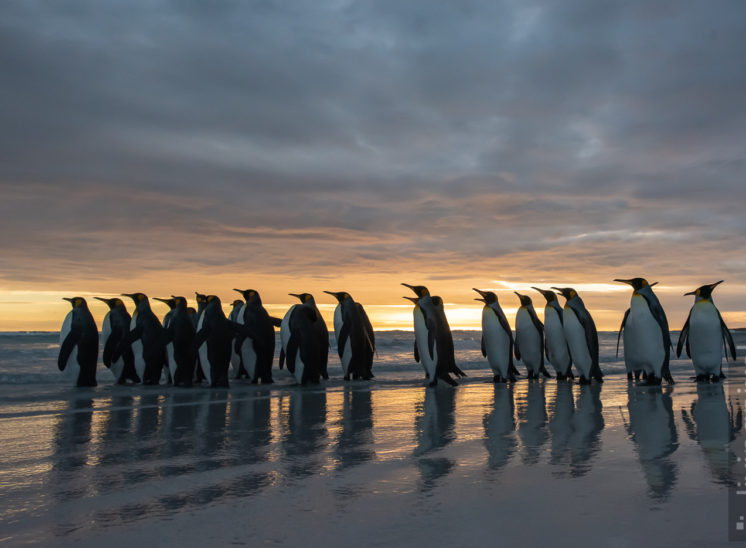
{"x": 581, "y": 335}
{"x": 354, "y": 335}
{"x": 215, "y": 333}
{"x": 239, "y": 371}
{"x": 171, "y": 303}
{"x": 703, "y": 333}
{"x": 439, "y": 338}
{"x": 201, "y": 299}
{"x": 114, "y": 330}
{"x": 555, "y": 344}
{"x": 181, "y": 344}
{"x": 322, "y": 332}
{"x": 647, "y": 341}
{"x": 146, "y": 339}
{"x": 497, "y": 338}
{"x": 258, "y": 349}
{"x": 529, "y": 338}
{"x": 79, "y": 344}
{"x": 301, "y": 344}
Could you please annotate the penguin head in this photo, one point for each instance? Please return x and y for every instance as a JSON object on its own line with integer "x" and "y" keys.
{"x": 250, "y": 295}
{"x": 437, "y": 301}
{"x": 116, "y": 302}
{"x": 567, "y": 292}
{"x": 525, "y": 299}
{"x": 180, "y": 301}
{"x": 170, "y": 302}
{"x": 419, "y": 290}
{"x": 200, "y": 297}
{"x": 76, "y": 302}
{"x": 191, "y": 310}
{"x": 704, "y": 291}
{"x": 237, "y": 302}
{"x": 550, "y": 296}
{"x": 636, "y": 283}
{"x": 213, "y": 300}
{"x": 304, "y": 297}
{"x": 339, "y": 295}
{"x": 488, "y": 297}
{"x": 137, "y": 297}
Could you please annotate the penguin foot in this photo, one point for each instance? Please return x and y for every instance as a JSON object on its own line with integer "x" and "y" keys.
{"x": 716, "y": 378}
{"x": 434, "y": 383}
{"x": 346, "y": 377}
{"x": 637, "y": 375}
{"x": 497, "y": 379}
{"x": 629, "y": 375}
{"x": 701, "y": 378}
{"x": 583, "y": 380}
{"x": 255, "y": 381}
{"x": 652, "y": 380}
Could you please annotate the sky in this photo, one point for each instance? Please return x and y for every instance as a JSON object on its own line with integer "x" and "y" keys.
{"x": 178, "y": 146}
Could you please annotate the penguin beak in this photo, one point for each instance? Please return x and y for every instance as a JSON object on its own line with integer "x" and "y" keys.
{"x": 68, "y": 299}
{"x": 483, "y": 300}
{"x": 628, "y": 282}
{"x": 713, "y": 286}
{"x": 102, "y": 299}
{"x": 519, "y": 295}
{"x": 238, "y": 290}
{"x": 652, "y": 284}
{"x": 479, "y": 291}
{"x": 413, "y": 299}
{"x": 161, "y": 300}
{"x": 691, "y": 293}
{"x": 130, "y": 295}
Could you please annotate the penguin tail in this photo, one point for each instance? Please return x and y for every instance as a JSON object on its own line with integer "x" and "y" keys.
{"x": 446, "y": 377}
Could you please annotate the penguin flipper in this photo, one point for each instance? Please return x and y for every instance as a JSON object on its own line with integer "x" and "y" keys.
{"x": 517, "y": 350}
{"x": 67, "y": 346}
{"x": 368, "y": 327}
{"x": 727, "y": 338}
{"x": 621, "y": 328}
{"x": 109, "y": 348}
{"x": 431, "y": 338}
{"x": 291, "y": 354}
{"x": 684, "y": 337}
{"x": 416, "y": 353}
{"x": 344, "y": 334}
{"x": 484, "y": 348}
{"x": 504, "y": 323}
{"x": 282, "y": 357}
{"x": 277, "y": 322}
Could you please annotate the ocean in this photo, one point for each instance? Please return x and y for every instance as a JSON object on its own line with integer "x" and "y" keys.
{"x": 367, "y": 463}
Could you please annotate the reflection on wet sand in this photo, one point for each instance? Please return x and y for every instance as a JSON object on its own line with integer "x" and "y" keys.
{"x": 304, "y": 419}
{"x": 710, "y": 423}
{"x": 653, "y": 431}
{"x": 532, "y": 425}
{"x": 587, "y": 424}
{"x": 560, "y": 425}
{"x": 499, "y": 427}
{"x": 434, "y": 429}
{"x": 355, "y": 441}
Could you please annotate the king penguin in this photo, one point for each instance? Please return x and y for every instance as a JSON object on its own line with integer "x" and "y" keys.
{"x": 79, "y": 344}
{"x": 114, "y": 330}
{"x": 353, "y": 332}
{"x": 215, "y": 334}
{"x": 555, "y": 344}
{"x": 647, "y": 341}
{"x": 180, "y": 343}
{"x": 703, "y": 333}
{"x": 239, "y": 371}
{"x": 170, "y": 366}
{"x": 497, "y": 338}
{"x": 439, "y": 338}
{"x": 201, "y": 298}
{"x": 146, "y": 340}
{"x": 301, "y": 344}
{"x": 581, "y": 336}
{"x": 420, "y": 339}
{"x": 258, "y": 349}
{"x": 529, "y": 338}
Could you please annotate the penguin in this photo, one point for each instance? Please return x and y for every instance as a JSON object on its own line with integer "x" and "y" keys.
{"x": 497, "y": 338}
{"x": 257, "y": 352}
{"x": 79, "y": 344}
{"x": 439, "y": 344}
{"x": 115, "y": 328}
{"x": 354, "y": 335}
{"x": 420, "y": 340}
{"x": 180, "y": 343}
{"x": 146, "y": 340}
{"x": 555, "y": 344}
{"x": 529, "y": 339}
{"x": 702, "y": 334}
{"x": 215, "y": 334}
{"x": 581, "y": 336}
{"x": 239, "y": 371}
{"x": 647, "y": 341}
{"x": 171, "y": 303}
{"x": 201, "y": 299}
{"x": 322, "y": 332}
{"x": 301, "y": 344}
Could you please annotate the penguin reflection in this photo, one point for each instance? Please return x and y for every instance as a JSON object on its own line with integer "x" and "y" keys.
{"x": 499, "y": 427}
{"x": 711, "y": 425}
{"x": 561, "y": 423}
{"x": 250, "y": 426}
{"x": 434, "y": 422}
{"x": 355, "y": 442}
{"x": 532, "y": 416}
{"x": 306, "y": 433}
{"x": 587, "y": 424}
{"x": 71, "y": 447}
{"x": 652, "y": 429}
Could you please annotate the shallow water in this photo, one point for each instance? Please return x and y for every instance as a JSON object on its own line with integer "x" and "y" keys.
{"x": 377, "y": 463}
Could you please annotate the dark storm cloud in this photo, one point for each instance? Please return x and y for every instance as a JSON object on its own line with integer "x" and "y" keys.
{"x": 207, "y": 134}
